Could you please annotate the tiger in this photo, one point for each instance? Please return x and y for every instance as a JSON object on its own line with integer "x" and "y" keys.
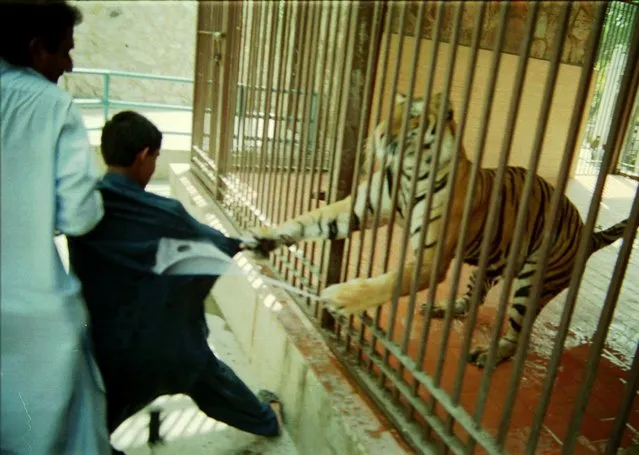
{"x": 337, "y": 220}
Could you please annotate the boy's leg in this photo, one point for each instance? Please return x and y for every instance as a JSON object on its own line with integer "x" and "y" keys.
{"x": 223, "y": 396}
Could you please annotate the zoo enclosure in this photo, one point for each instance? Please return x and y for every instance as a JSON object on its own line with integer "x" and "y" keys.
{"x": 285, "y": 95}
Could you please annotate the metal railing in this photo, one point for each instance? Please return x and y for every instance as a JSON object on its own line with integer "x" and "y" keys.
{"x": 629, "y": 158}
{"x": 358, "y": 56}
{"x": 108, "y": 104}
{"x": 611, "y": 62}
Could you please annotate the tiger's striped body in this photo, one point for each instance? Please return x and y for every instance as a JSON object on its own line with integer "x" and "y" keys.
{"x": 332, "y": 222}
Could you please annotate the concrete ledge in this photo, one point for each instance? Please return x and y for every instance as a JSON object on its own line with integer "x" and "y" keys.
{"x": 325, "y": 412}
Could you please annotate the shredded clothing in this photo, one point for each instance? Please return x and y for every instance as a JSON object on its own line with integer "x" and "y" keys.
{"x": 52, "y": 394}
{"x": 149, "y": 330}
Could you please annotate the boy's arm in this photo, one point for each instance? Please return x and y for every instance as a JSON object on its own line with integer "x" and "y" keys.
{"x": 79, "y": 204}
{"x": 229, "y": 245}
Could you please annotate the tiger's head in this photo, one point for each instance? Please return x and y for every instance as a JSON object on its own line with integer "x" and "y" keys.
{"x": 390, "y": 146}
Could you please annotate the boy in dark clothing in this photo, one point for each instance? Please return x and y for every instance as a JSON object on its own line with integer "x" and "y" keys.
{"x": 148, "y": 328}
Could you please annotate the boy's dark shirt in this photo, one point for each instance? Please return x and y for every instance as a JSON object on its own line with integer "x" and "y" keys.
{"x": 149, "y": 330}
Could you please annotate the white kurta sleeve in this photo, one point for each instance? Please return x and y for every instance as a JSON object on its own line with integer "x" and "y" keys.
{"x": 79, "y": 204}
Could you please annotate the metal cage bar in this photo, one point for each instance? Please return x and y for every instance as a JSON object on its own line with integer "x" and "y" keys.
{"x": 310, "y": 83}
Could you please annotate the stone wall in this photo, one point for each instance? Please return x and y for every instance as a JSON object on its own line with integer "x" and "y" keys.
{"x": 156, "y": 37}
{"x": 579, "y": 25}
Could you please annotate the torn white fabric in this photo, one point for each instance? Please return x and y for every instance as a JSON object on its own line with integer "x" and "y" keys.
{"x": 189, "y": 257}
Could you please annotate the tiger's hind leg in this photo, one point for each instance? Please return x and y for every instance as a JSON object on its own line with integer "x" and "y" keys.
{"x": 508, "y": 343}
{"x": 461, "y": 305}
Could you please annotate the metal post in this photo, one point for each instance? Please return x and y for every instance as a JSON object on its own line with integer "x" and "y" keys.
{"x": 200, "y": 83}
{"x": 106, "y": 95}
{"x": 361, "y": 26}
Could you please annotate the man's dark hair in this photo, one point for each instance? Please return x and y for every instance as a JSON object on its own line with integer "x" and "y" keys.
{"x": 126, "y": 135}
{"x": 21, "y": 21}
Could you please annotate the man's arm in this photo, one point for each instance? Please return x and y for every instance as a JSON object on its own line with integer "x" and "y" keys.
{"x": 79, "y": 204}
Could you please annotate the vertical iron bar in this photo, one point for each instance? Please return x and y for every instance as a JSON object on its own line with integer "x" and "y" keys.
{"x": 309, "y": 96}
{"x": 522, "y": 212}
{"x": 200, "y": 83}
{"x": 323, "y": 128}
{"x": 255, "y": 153}
{"x": 376, "y": 116}
{"x": 370, "y": 72}
{"x": 492, "y": 80}
{"x": 279, "y": 148}
{"x": 584, "y": 244}
{"x": 458, "y": 11}
{"x": 344, "y": 142}
{"x": 266, "y": 147}
{"x": 252, "y": 64}
{"x": 615, "y": 39}
{"x": 392, "y": 315}
{"x": 241, "y": 111}
{"x": 240, "y": 210}
{"x": 458, "y": 147}
{"x": 568, "y": 155}
{"x": 271, "y": 186}
{"x": 287, "y": 211}
{"x": 371, "y": 161}
{"x": 225, "y": 63}
{"x": 626, "y": 405}
{"x": 230, "y": 71}
{"x": 605, "y": 319}
{"x": 317, "y": 129}
{"x": 629, "y": 104}
{"x": 332, "y": 90}
{"x": 384, "y": 162}
{"x": 420, "y": 134}
{"x": 301, "y": 76}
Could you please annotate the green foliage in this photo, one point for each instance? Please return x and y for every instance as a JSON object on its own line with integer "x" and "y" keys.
{"x": 617, "y": 31}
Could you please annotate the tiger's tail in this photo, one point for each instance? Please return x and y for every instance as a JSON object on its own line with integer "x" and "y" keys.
{"x": 607, "y": 236}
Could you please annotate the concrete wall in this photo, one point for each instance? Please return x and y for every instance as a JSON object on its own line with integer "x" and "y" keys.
{"x": 325, "y": 413}
{"x": 531, "y": 99}
{"x": 156, "y": 37}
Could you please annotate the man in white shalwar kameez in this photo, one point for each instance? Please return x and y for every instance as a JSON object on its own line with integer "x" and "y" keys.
{"x": 52, "y": 396}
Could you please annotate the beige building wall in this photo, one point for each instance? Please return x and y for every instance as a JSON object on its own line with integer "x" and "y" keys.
{"x": 156, "y": 37}
{"x": 531, "y": 100}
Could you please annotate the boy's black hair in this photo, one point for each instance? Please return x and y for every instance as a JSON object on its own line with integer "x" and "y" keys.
{"x": 126, "y": 135}
{"x": 21, "y": 21}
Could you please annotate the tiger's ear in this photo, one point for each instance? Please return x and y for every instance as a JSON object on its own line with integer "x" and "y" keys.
{"x": 437, "y": 101}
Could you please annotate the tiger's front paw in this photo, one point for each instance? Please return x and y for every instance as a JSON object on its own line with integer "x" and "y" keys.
{"x": 260, "y": 242}
{"x": 439, "y": 310}
{"x": 354, "y": 296}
